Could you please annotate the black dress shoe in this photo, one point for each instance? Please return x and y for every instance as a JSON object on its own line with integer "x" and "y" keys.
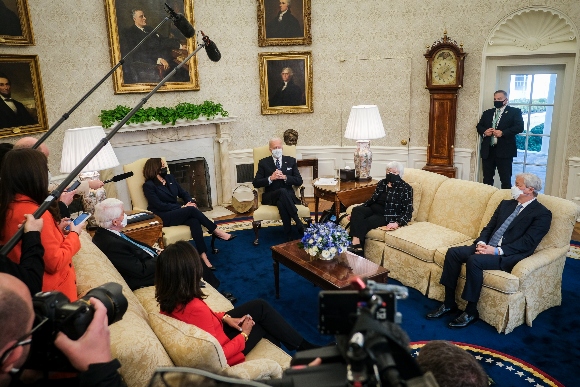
{"x": 440, "y": 312}
{"x": 463, "y": 320}
{"x": 356, "y": 249}
{"x": 232, "y": 299}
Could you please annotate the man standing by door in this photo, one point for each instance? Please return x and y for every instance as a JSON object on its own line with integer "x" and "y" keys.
{"x": 499, "y": 127}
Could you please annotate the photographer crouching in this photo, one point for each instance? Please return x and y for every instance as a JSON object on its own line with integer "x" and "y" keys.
{"x": 20, "y": 326}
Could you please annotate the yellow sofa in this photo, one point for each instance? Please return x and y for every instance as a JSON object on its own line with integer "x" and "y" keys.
{"x": 144, "y": 339}
{"x": 452, "y": 212}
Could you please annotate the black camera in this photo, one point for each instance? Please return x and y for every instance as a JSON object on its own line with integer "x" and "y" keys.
{"x": 71, "y": 318}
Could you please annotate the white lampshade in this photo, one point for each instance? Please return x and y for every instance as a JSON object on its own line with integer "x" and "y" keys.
{"x": 364, "y": 123}
{"x": 77, "y": 145}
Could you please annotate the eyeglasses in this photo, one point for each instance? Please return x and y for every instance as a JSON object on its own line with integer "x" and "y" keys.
{"x": 24, "y": 340}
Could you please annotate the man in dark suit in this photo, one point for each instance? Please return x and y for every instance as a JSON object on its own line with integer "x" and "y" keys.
{"x": 284, "y": 25}
{"x": 288, "y": 94}
{"x": 512, "y": 234}
{"x": 12, "y": 112}
{"x": 499, "y": 127}
{"x": 278, "y": 174}
{"x": 134, "y": 260}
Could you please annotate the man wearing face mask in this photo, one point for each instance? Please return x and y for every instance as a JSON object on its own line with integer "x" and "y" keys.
{"x": 498, "y": 128}
{"x": 512, "y": 234}
{"x": 390, "y": 207}
{"x": 278, "y": 174}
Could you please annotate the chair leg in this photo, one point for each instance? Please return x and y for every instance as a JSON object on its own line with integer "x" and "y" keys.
{"x": 213, "y": 249}
{"x": 256, "y": 225}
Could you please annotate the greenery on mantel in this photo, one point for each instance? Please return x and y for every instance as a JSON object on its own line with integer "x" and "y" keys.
{"x": 165, "y": 115}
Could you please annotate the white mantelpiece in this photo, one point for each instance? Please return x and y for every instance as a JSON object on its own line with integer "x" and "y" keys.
{"x": 186, "y": 139}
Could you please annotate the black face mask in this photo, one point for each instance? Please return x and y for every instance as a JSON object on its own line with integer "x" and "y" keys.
{"x": 392, "y": 178}
{"x": 163, "y": 171}
{"x": 498, "y": 104}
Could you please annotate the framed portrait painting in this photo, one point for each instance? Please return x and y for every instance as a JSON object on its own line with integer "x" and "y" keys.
{"x": 286, "y": 82}
{"x": 15, "y": 27}
{"x": 129, "y": 22}
{"x": 284, "y": 22}
{"x": 22, "y": 109}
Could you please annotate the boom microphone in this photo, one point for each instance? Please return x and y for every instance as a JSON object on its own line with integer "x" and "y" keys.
{"x": 179, "y": 21}
{"x": 211, "y": 49}
{"x": 120, "y": 177}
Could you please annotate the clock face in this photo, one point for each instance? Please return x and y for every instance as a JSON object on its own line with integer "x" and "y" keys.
{"x": 444, "y": 68}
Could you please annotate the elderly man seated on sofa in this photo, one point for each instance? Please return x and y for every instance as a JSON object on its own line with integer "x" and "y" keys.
{"x": 512, "y": 234}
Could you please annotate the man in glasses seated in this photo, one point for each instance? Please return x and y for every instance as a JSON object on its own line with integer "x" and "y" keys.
{"x": 91, "y": 354}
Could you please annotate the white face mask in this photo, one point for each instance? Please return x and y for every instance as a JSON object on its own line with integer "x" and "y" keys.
{"x": 124, "y": 221}
{"x": 277, "y": 153}
{"x": 516, "y": 192}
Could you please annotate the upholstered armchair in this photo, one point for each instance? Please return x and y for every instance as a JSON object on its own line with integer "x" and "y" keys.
{"x": 270, "y": 213}
{"x": 135, "y": 185}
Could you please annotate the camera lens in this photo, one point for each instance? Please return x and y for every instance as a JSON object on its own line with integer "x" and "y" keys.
{"x": 111, "y": 295}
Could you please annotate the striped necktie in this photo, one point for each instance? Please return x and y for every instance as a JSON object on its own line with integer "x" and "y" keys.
{"x": 142, "y": 247}
{"x": 498, "y": 234}
{"x": 496, "y": 117}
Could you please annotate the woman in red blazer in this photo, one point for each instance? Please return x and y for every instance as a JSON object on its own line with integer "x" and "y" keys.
{"x": 178, "y": 291}
{"x": 24, "y": 176}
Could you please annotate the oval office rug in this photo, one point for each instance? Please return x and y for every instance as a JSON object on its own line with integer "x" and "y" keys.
{"x": 504, "y": 370}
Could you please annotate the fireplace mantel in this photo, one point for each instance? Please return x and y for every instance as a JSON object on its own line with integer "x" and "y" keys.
{"x": 152, "y": 125}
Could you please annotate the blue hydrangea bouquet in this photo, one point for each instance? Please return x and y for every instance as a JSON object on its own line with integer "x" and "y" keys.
{"x": 325, "y": 240}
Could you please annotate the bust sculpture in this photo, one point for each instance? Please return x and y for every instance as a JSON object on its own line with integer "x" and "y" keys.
{"x": 290, "y": 137}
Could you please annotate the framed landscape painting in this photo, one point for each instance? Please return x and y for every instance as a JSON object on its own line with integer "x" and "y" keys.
{"x": 284, "y": 22}
{"x": 22, "y": 109}
{"x": 286, "y": 82}
{"x": 15, "y": 28}
{"x": 129, "y": 22}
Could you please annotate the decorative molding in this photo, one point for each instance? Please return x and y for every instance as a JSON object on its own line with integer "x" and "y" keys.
{"x": 573, "y": 189}
{"x": 532, "y": 28}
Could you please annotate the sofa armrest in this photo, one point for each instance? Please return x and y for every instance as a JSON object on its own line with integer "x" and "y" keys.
{"x": 255, "y": 370}
{"x": 537, "y": 261}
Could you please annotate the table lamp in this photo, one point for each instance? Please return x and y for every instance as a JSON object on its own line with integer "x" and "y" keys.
{"x": 364, "y": 124}
{"x": 77, "y": 144}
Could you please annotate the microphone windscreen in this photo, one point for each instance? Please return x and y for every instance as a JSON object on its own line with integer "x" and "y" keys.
{"x": 120, "y": 177}
{"x": 212, "y": 52}
{"x": 183, "y": 25}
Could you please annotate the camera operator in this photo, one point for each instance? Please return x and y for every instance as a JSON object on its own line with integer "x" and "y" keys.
{"x": 31, "y": 267}
{"x": 90, "y": 354}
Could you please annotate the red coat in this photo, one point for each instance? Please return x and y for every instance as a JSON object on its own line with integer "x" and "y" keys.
{"x": 59, "y": 272}
{"x": 197, "y": 313}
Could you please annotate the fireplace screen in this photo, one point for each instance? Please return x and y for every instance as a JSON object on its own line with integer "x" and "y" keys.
{"x": 193, "y": 176}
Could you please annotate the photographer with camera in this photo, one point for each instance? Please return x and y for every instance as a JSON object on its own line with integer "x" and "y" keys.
{"x": 90, "y": 354}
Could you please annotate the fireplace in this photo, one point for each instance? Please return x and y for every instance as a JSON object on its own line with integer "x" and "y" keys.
{"x": 193, "y": 176}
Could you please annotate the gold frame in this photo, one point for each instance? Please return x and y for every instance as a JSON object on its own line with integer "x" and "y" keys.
{"x": 266, "y": 12}
{"x": 111, "y": 8}
{"x": 279, "y": 60}
{"x": 27, "y": 37}
{"x": 9, "y": 65}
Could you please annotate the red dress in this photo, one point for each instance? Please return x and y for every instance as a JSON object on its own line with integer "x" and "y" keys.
{"x": 197, "y": 313}
{"x": 59, "y": 272}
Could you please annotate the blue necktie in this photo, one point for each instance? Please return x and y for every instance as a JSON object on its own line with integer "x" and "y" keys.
{"x": 144, "y": 248}
{"x": 498, "y": 234}
{"x": 278, "y": 164}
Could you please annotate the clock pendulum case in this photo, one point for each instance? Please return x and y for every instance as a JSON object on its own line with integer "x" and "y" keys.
{"x": 445, "y": 61}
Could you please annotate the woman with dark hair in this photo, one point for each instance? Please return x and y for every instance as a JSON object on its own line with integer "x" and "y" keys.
{"x": 178, "y": 291}
{"x": 162, "y": 191}
{"x": 24, "y": 176}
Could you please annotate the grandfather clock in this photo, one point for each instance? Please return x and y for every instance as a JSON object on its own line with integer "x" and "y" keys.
{"x": 445, "y": 61}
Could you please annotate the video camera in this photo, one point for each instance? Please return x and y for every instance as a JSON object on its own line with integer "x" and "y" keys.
{"x": 71, "y": 318}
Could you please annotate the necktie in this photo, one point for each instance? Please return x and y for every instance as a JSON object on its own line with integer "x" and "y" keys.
{"x": 278, "y": 164}
{"x": 498, "y": 234}
{"x": 144, "y": 248}
{"x": 496, "y": 117}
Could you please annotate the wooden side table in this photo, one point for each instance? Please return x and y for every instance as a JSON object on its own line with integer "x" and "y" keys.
{"x": 345, "y": 192}
{"x": 145, "y": 231}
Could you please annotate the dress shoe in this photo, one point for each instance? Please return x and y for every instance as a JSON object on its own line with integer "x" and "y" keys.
{"x": 232, "y": 299}
{"x": 232, "y": 237}
{"x": 356, "y": 249}
{"x": 463, "y": 320}
{"x": 440, "y": 312}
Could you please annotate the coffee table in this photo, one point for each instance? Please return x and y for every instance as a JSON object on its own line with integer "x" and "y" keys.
{"x": 328, "y": 275}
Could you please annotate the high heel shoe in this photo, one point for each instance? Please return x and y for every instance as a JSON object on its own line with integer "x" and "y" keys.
{"x": 212, "y": 267}
{"x": 213, "y": 238}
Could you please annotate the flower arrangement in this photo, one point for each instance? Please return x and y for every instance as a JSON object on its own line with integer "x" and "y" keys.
{"x": 325, "y": 240}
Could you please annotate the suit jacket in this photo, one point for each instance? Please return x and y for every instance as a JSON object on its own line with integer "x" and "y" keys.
{"x": 163, "y": 198}
{"x": 135, "y": 265}
{"x": 289, "y": 27}
{"x": 198, "y": 313}
{"x": 10, "y": 119}
{"x": 290, "y": 96}
{"x": 523, "y": 234}
{"x": 510, "y": 123}
{"x": 266, "y": 167}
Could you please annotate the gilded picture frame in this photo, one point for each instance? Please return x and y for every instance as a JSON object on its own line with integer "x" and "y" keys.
{"x": 15, "y": 27}
{"x": 128, "y": 22}
{"x": 284, "y": 22}
{"x": 20, "y": 82}
{"x": 286, "y": 82}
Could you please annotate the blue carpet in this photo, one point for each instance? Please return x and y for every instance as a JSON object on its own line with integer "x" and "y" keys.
{"x": 551, "y": 345}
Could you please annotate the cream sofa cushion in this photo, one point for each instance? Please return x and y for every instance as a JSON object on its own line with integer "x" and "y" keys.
{"x": 564, "y": 215}
{"x": 430, "y": 182}
{"x": 417, "y": 193}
